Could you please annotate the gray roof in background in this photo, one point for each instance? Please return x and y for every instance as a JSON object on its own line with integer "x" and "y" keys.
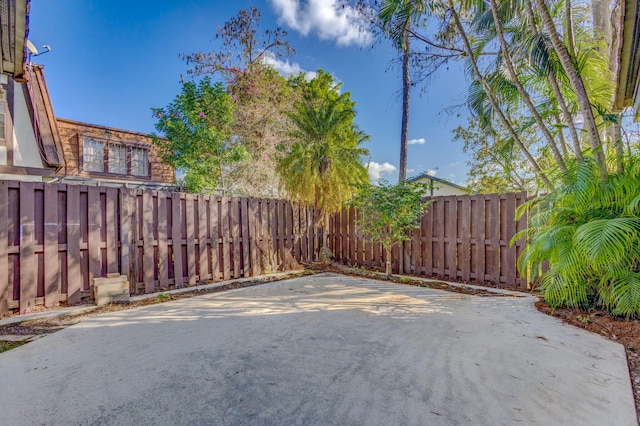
{"x": 425, "y": 175}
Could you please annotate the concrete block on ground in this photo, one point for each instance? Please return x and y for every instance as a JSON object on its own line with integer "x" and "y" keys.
{"x": 111, "y": 289}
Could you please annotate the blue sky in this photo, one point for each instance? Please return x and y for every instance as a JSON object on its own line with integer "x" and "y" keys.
{"x": 111, "y": 61}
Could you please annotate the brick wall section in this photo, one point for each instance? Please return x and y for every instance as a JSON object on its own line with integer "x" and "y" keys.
{"x": 72, "y": 132}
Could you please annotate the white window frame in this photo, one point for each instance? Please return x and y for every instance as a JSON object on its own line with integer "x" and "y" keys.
{"x": 92, "y": 160}
{"x": 139, "y": 161}
{"x": 117, "y": 162}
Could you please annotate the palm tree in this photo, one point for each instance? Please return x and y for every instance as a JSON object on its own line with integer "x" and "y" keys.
{"x": 324, "y": 163}
{"x": 396, "y": 17}
{"x": 585, "y": 237}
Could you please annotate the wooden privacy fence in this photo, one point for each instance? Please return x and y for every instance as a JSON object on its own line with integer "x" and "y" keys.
{"x": 55, "y": 239}
{"x": 461, "y": 238}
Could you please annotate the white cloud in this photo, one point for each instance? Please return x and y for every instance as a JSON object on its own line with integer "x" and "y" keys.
{"x": 432, "y": 172}
{"x": 328, "y": 19}
{"x": 286, "y": 68}
{"x": 419, "y": 141}
{"x": 376, "y": 170}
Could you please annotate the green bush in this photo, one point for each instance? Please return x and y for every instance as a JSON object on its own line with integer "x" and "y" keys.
{"x": 587, "y": 232}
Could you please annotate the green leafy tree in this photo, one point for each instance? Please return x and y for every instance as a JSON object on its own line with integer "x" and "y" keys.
{"x": 389, "y": 212}
{"x": 196, "y": 135}
{"x": 322, "y": 161}
{"x": 262, "y": 97}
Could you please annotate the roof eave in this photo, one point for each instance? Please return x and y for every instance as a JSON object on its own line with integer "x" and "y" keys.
{"x": 14, "y": 63}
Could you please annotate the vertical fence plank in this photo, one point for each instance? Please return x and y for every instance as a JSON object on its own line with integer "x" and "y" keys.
{"x": 214, "y": 208}
{"x": 451, "y": 225}
{"x": 427, "y": 242}
{"x": 509, "y": 265}
{"x": 439, "y": 235}
{"x": 126, "y": 232}
{"x": 254, "y": 236}
{"x": 280, "y": 232}
{"x": 176, "y": 238}
{"x": 163, "y": 239}
{"x": 226, "y": 238}
{"x": 235, "y": 236}
{"x": 493, "y": 252}
{"x": 266, "y": 252}
{"x": 51, "y": 264}
{"x": 94, "y": 213}
{"x": 244, "y": 230}
{"x": 523, "y": 281}
{"x": 465, "y": 235}
{"x": 344, "y": 232}
{"x": 479, "y": 254}
{"x": 74, "y": 285}
{"x": 27, "y": 247}
{"x": 202, "y": 238}
{"x": 112, "y": 230}
{"x": 147, "y": 241}
{"x": 191, "y": 242}
{"x": 5, "y": 288}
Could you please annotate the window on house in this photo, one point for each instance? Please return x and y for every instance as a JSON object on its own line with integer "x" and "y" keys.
{"x": 117, "y": 159}
{"x": 93, "y": 155}
{"x": 139, "y": 162}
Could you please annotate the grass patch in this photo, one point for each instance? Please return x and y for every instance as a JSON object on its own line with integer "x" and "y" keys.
{"x": 6, "y": 345}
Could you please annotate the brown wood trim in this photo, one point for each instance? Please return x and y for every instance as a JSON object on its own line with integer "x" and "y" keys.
{"x": 27, "y": 171}
{"x": 99, "y": 127}
{"x": 9, "y": 124}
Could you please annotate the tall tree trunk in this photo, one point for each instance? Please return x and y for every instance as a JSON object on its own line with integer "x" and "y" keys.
{"x": 568, "y": 28}
{"x": 576, "y": 83}
{"x": 553, "y": 81}
{"x": 387, "y": 268}
{"x": 494, "y": 103}
{"x": 563, "y": 142}
{"x": 524, "y": 95}
{"x": 616, "y": 137}
{"x": 406, "y": 90}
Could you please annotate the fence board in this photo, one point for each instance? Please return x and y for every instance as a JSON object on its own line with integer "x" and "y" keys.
{"x": 191, "y": 225}
{"x": 464, "y": 255}
{"x": 245, "y": 267}
{"x": 27, "y": 247}
{"x": 214, "y": 226}
{"x": 451, "y": 237}
{"x": 163, "y": 239}
{"x": 147, "y": 242}
{"x": 74, "y": 284}
{"x": 5, "y": 288}
{"x": 176, "y": 239}
{"x": 94, "y": 237}
{"x": 226, "y": 237}
{"x": 202, "y": 238}
{"x": 51, "y": 262}
{"x": 510, "y": 255}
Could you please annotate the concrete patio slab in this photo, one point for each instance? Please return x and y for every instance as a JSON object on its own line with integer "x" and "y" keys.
{"x": 324, "y": 349}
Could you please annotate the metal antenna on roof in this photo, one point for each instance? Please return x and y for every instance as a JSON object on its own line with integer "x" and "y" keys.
{"x": 34, "y": 52}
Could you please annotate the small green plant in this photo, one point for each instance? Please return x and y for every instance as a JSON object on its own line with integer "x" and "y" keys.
{"x": 163, "y": 297}
{"x": 389, "y": 212}
{"x": 583, "y": 319}
{"x": 7, "y": 345}
{"x": 405, "y": 280}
